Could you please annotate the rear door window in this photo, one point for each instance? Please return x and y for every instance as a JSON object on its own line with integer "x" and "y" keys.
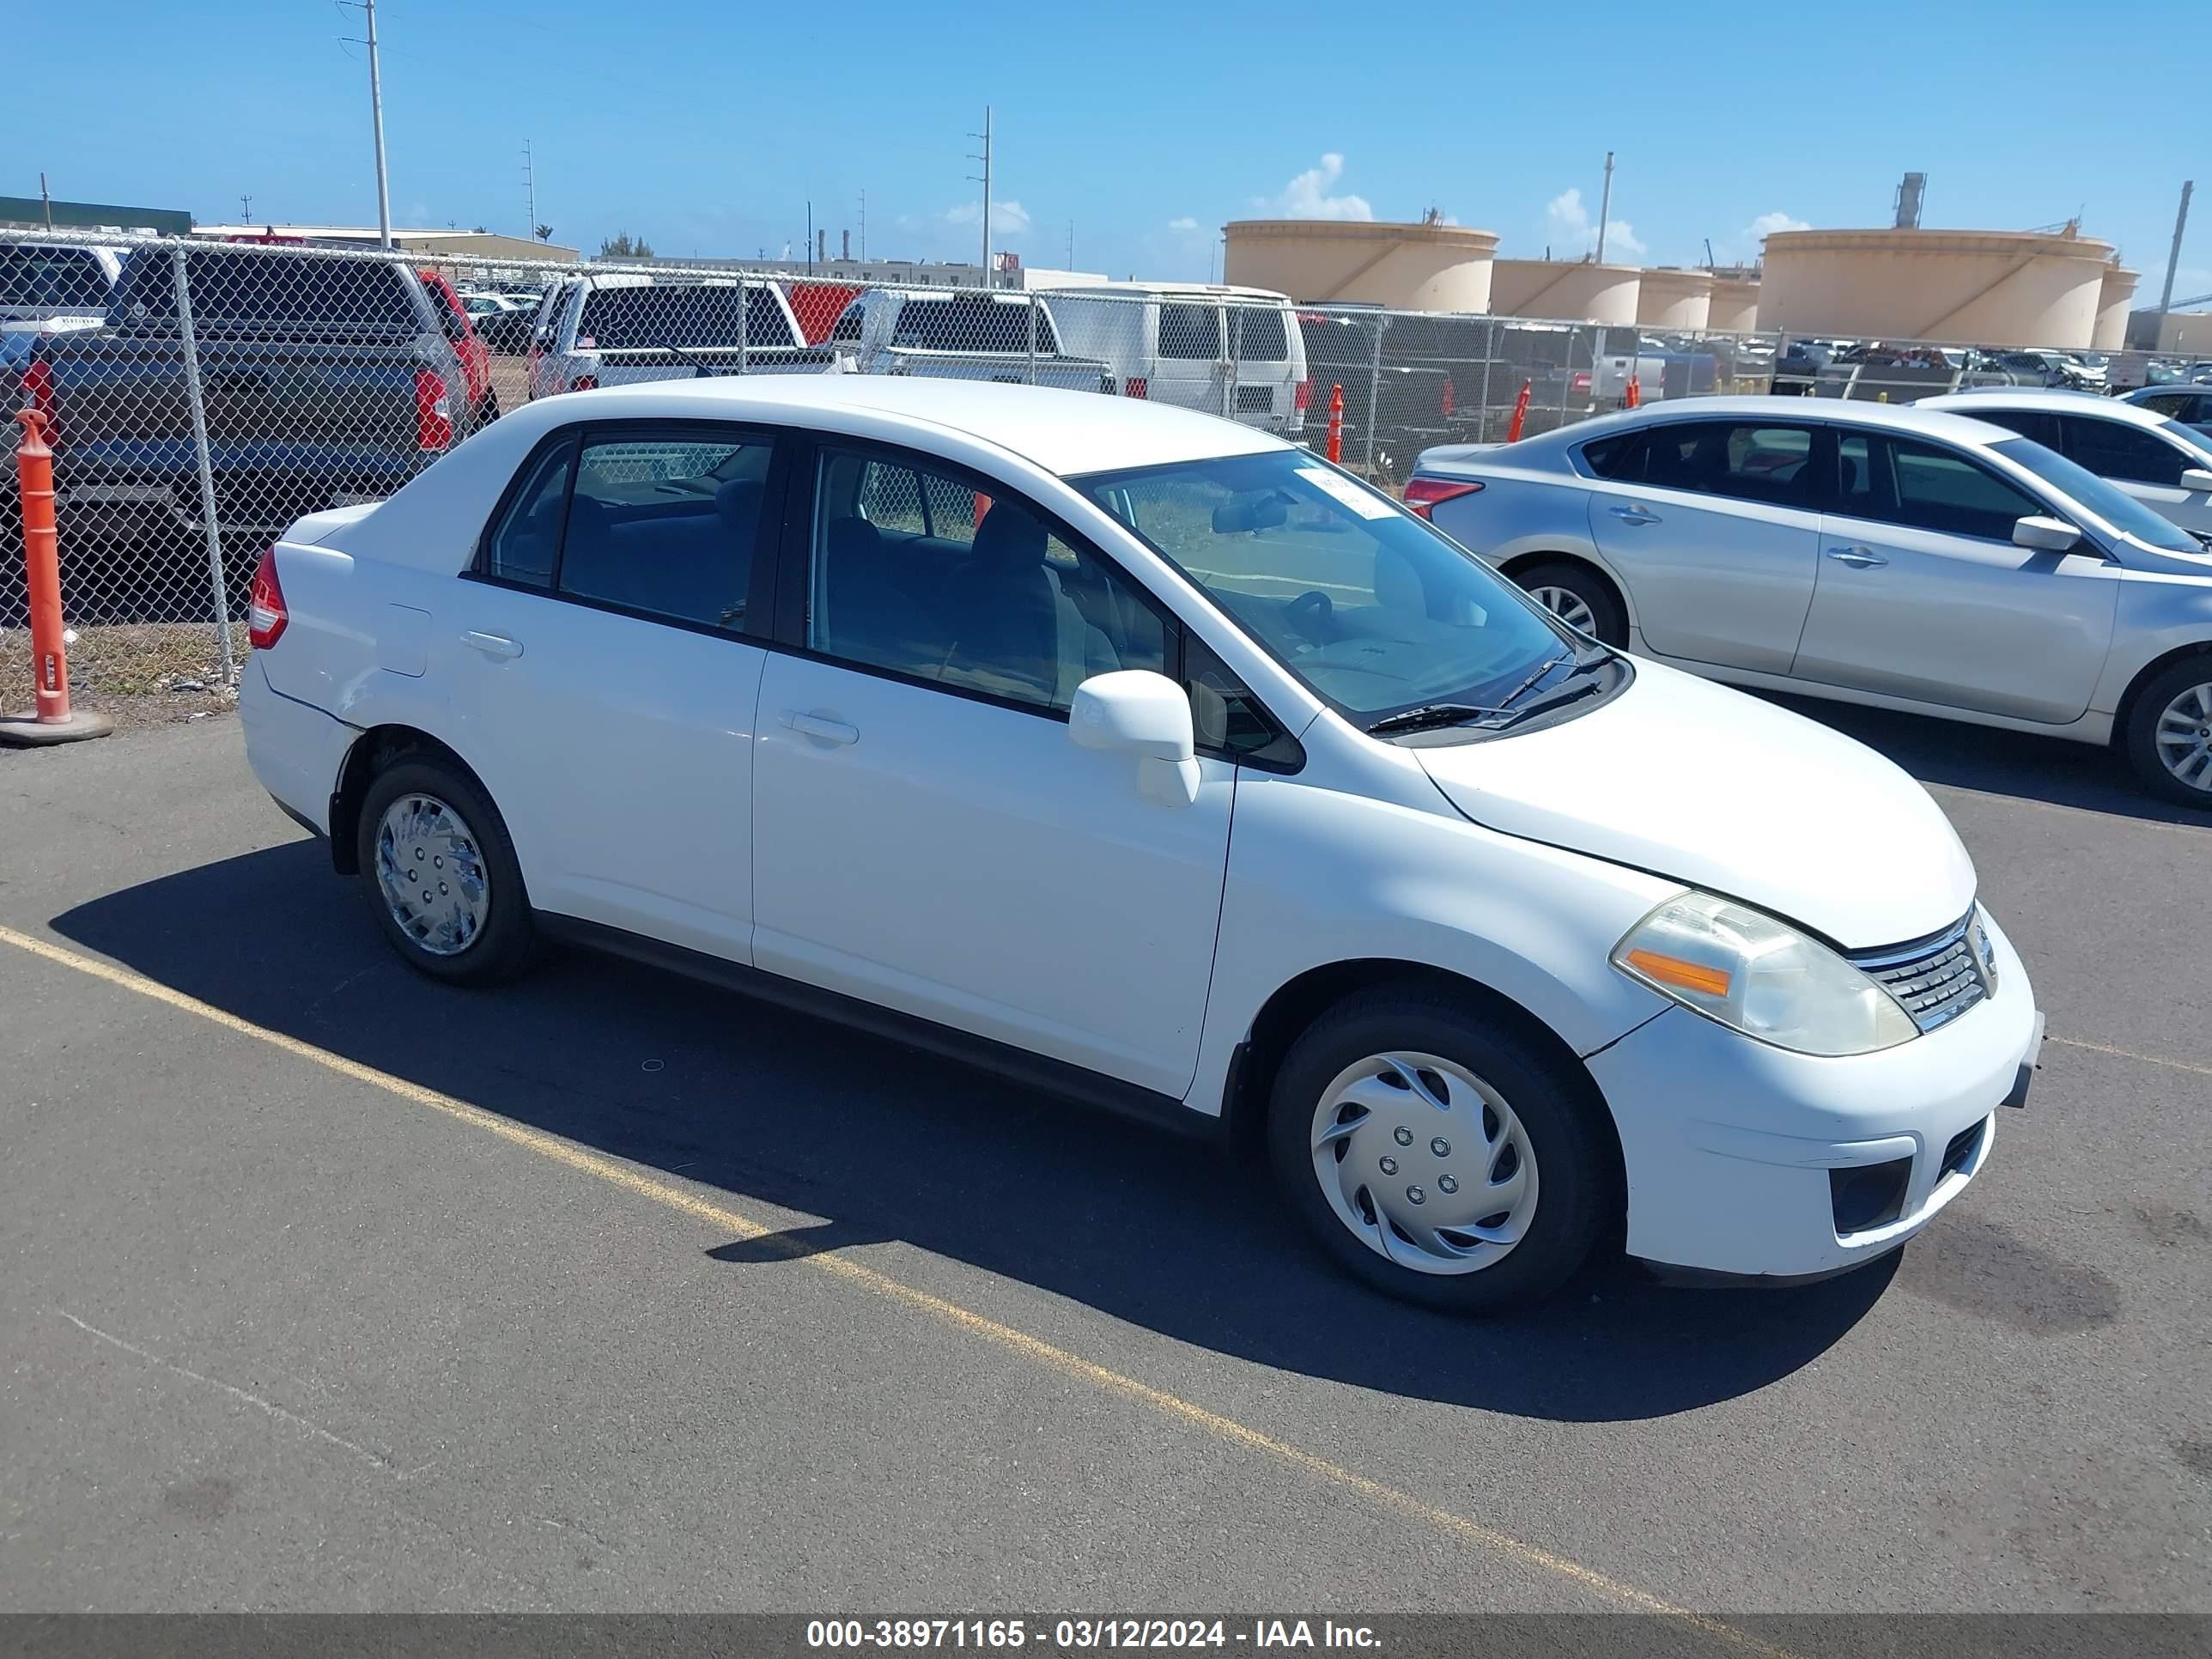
{"x": 2113, "y": 449}
{"x": 1742, "y": 460}
{"x": 238, "y": 291}
{"x": 1258, "y": 335}
{"x": 685, "y": 314}
{"x": 52, "y": 277}
{"x": 1190, "y": 332}
{"x": 666, "y": 525}
{"x": 527, "y": 539}
{"x": 1618, "y": 458}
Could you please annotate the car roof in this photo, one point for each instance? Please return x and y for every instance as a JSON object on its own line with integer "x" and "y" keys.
{"x": 1894, "y": 418}
{"x": 2057, "y": 400}
{"x": 1066, "y": 433}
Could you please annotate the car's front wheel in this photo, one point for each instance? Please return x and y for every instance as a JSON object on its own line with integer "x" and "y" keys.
{"x": 1578, "y": 597}
{"x": 441, "y": 876}
{"x": 2169, "y": 732}
{"x": 1439, "y": 1153}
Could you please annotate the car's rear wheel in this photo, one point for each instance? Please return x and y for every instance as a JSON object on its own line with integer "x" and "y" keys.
{"x": 2169, "y": 732}
{"x": 1439, "y": 1153}
{"x": 1578, "y": 597}
{"x": 441, "y": 876}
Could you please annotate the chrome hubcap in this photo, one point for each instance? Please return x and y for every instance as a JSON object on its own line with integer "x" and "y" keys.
{"x": 1425, "y": 1162}
{"x": 1569, "y": 607}
{"x": 2184, "y": 737}
{"x": 432, "y": 874}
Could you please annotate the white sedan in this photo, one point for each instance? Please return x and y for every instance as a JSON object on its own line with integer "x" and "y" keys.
{"x": 1145, "y": 756}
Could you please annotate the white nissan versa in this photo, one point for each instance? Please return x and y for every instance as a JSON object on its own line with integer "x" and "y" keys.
{"x": 1141, "y": 755}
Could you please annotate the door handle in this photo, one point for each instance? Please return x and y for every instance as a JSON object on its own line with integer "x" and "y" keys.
{"x": 1634, "y": 514}
{"x": 814, "y": 726}
{"x": 492, "y": 645}
{"x": 1859, "y": 558}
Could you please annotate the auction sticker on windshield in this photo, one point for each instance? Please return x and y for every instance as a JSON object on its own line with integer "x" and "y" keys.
{"x": 1343, "y": 490}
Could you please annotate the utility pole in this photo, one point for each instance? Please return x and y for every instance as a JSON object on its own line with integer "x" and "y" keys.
{"x": 2173, "y": 259}
{"x": 809, "y": 239}
{"x": 1605, "y": 207}
{"x": 44, "y": 200}
{"x": 985, "y": 158}
{"x": 864, "y": 224}
{"x": 376, "y": 119}
{"x": 246, "y": 203}
{"x": 530, "y": 185}
{"x": 1071, "y": 244}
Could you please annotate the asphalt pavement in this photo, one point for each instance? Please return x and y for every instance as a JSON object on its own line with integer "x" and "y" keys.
{"x": 324, "y": 1287}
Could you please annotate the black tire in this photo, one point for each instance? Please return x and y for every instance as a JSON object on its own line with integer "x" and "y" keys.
{"x": 1578, "y": 1199}
{"x": 506, "y": 941}
{"x": 1609, "y": 616}
{"x": 2141, "y": 737}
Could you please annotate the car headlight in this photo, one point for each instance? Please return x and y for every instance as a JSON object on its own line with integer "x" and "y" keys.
{"x": 1762, "y": 977}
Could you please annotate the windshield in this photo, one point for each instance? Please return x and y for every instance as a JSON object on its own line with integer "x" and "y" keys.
{"x": 2191, "y": 439}
{"x": 1372, "y": 608}
{"x": 2114, "y": 507}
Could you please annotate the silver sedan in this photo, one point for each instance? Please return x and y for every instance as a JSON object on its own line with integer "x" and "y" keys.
{"x": 1912, "y": 560}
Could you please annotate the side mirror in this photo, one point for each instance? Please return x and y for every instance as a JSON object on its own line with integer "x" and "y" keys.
{"x": 2045, "y": 535}
{"x": 1135, "y": 712}
{"x": 2196, "y": 479}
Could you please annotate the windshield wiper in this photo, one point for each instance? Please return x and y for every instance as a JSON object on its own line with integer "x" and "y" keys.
{"x": 1428, "y": 716}
{"x": 1572, "y": 691}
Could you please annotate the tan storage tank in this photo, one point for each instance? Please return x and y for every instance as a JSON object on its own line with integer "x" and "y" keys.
{"x": 1671, "y": 298}
{"x": 1324, "y": 261}
{"x": 2115, "y": 296}
{"x": 1975, "y": 287}
{"x": 1573, "y": 290}
{"x": 1735, "y": 306}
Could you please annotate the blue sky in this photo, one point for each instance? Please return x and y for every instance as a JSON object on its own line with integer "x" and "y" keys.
{"x": 706, "y": 128}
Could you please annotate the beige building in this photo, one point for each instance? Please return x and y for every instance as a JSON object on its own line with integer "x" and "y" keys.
{"x": 1322, "y": 261}
{"x": 2185, "y": 333}
{"x": 1573, "y": 290}
{"x": 1676, "y": 299}
{"x": 1974, "y": 286}
{"x": 1734, "y": 308}
{"x": 2115, "y": 299}
{"x": 482, "y": 244}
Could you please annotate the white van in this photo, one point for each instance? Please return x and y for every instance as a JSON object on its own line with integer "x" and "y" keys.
{"x": 1230, "y": 351}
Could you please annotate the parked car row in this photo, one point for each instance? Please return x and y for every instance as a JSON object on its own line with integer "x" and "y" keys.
{"x": 2036, "y": 560}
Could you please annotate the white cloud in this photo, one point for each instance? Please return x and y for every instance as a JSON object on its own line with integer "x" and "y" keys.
{"x": 1011, "y": 217}
{"x": 1571, "y": 233}
{"x": 1767, "y": 223}
{"x": 1185, "y": 224}
{"x": 1306, "y": 196}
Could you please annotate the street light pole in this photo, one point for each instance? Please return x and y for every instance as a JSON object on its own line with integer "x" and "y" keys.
{"x": 376, "y": 116}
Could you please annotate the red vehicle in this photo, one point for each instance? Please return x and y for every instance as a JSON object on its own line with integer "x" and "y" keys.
{"x": 475, "y": 355}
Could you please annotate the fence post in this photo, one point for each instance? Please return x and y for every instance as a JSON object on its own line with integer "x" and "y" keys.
{"x": 1375, "y": 390}
{"x": 1229, "y": 333}
{"x": 1033, "y": 331}
{"x": 745, "y": 328}
{"x": 189, "y": 343}
{"x": 1489, "y": 356}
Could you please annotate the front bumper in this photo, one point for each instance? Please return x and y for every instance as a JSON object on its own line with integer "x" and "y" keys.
{"x": 1728, "y": 1144}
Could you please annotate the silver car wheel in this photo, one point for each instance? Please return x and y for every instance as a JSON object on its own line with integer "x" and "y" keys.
{"x": 1425, "y": 1162}
{"x": 2183, "y": 736}
{"x": 1569, "y": 607}
{"x": 431, "y": 873}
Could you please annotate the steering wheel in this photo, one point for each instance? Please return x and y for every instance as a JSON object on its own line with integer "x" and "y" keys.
{"x": 1310, "y": 614}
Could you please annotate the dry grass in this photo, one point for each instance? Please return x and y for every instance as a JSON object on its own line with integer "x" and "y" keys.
{"x": 139, "y": 673}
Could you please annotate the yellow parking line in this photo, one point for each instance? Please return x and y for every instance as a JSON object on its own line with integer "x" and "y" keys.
{"x": 1029, "y": 1347}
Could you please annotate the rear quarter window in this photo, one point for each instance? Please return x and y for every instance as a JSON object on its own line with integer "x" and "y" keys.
{"x": 242, "y": 292}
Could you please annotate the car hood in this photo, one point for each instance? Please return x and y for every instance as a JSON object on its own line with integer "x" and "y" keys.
{"x": 1724, "y": 791}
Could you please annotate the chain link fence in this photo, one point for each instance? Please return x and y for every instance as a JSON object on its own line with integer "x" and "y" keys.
{"x": 203, "y": 395}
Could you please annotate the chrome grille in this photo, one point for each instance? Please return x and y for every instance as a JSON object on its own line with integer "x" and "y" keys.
{"x": 1936, "y": 979}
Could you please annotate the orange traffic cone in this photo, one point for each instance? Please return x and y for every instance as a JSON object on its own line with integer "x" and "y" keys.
{"x": 1635, "y": 394}
{"x": 1520, "y": 412}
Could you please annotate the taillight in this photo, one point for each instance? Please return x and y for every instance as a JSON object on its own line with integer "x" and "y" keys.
{"x": 1423, "y": 494}
{"x": 1447, "y": 395}
{"x": 1137, "y": 386}
{"x": 585, "y": 383}
{"x": 266, "y": 615}
{"x": 433, "y": 412}
{"x": 1582, "y": 382}
{"x": 1302, "y": 398}
{"x": 39, "y": 390}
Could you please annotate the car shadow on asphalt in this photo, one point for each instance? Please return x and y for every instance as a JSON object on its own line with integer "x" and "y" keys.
{"x": 1999, "y": 763}
{"x": 880, "y": 1142}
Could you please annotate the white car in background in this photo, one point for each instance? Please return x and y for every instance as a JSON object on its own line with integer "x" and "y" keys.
{"x": 620, "y": 327}
{"x": 1227, "y": 350}
{"x": 1150, "y": 759}
{"x": 1905, "y": 556}
{"x": 50, "y": 287}
{"x": 2165, "y": 463}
